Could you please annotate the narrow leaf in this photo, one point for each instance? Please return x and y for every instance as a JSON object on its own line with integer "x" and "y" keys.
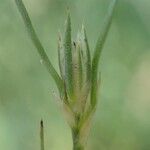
{"x": 61, "y": 58}
{"x": 98, "y": 49}
{"x": 80, "y": 69}
{"x": 77, "y": 74}
{"x": 38, "y": 44}
{"x": 76, "y": 71}
{"x": 68, "y": 58}
{"x": 85, "y": 47}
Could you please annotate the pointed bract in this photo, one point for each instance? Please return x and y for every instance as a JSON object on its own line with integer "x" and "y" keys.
{"x": 87, "y": 54}
{"x": 80, "y": 69}
{"x": 98, "y": 49}
{"x": 61, "y": 58}
{"x": 68, "y": 58}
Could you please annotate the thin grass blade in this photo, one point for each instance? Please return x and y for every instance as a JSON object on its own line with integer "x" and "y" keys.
{"x": 68, "y": 58}
{"x": 80, "y": 69}
{"x": 98, "y": 49}
{"x": 61, "y": 59}
{"x": 38, "y": 45}
{"x": 76, "y": 70}
{"x": 85, "y": 46}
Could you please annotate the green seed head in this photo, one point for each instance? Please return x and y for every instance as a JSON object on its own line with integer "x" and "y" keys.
{"x": 78, "y": 70}
{"x": 75, "y": 67}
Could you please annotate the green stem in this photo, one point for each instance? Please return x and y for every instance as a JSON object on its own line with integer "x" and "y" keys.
{"x": 76, "y": 134}
{"x": 77, "y": 145}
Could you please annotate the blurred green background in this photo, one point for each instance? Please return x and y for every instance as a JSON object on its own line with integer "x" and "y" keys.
{"x": 122, "y": 119}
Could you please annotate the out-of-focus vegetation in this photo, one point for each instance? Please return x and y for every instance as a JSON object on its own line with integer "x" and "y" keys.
{"x": 122, "y": 119}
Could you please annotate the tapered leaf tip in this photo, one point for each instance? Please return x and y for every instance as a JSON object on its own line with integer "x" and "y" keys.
{"x": 68, "y": 9}
{"x": 18, "y": 1}
{"x": 68, "y": 15}
{"x": 115, "y": 1}
{"x": 68, "y": 22}
{"x": 41, "y": 123}
{"x": 113, "y": 4}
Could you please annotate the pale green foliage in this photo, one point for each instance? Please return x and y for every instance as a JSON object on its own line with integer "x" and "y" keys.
{"x": 98, "y": 49}
{"x": 38, "y": 44}
{"x": 78, "y": 81}
{"x": 68, "y": 58}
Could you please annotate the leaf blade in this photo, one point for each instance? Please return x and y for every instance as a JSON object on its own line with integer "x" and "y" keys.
{"x": 87, "y": 53}
{"x": 38, "y": 45}
{"x": 98, "y": 49}
{"x": 61, "y": 57}
{"x": 68, "y": 58}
